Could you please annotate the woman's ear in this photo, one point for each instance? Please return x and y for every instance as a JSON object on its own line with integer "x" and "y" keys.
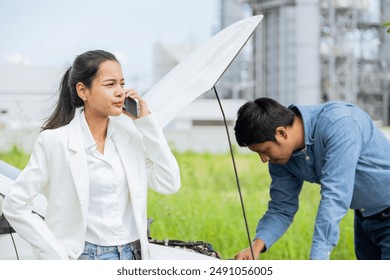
{"x": 81, "y": 91}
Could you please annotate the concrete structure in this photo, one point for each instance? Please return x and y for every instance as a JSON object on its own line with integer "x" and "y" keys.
{"x": 27, "y": 94}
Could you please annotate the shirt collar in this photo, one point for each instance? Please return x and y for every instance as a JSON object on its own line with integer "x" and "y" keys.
{"x": 89, "y": 142}
{"x": 307, "y": 122}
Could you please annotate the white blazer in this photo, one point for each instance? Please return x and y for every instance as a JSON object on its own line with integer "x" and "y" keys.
{"x": 58, "y": 169}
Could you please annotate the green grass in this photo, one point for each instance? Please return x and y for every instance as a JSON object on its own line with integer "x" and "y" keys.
{"x": 207, "y": 207}
{"x": 15, "y": 157}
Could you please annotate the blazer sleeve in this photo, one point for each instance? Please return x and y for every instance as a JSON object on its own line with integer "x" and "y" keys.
{"x": 17, "y": 205}
{"x": 163, "y": 170}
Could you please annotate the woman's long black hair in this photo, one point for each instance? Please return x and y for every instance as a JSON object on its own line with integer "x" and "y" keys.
{"x": 83, "y": 70}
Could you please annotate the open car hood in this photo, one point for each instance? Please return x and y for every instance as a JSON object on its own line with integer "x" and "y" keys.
{"x": 200, "y": 71}
{"x": 183, "y": 84}
{"x": 187, "y": 81}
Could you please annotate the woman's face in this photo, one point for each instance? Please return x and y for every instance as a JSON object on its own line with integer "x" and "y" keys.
{"x": 107, "y": 94}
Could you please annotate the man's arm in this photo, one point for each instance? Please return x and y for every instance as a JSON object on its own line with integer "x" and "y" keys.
{"x": 284, "y": 191}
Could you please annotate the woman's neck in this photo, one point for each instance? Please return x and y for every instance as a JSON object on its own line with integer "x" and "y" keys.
{"x": 97, "y": 125}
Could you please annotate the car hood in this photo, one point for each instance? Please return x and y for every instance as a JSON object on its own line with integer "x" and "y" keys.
{"x": 182, "y": 85}
{"x": 199, "y": 72}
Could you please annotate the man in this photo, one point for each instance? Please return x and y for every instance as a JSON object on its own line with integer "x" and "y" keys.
{"x": 335, "y": 145}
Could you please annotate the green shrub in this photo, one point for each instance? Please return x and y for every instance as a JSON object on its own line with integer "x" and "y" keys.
{"x": 15, "y": 157}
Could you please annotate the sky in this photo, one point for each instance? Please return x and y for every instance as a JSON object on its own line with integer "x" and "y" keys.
{"x": 42, "y": 32}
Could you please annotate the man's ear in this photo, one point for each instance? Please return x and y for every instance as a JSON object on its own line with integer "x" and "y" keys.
{"x": 81, "y": 91}
{"x": 281, "y": 131}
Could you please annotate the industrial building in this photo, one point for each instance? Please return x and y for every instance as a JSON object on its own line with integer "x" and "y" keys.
{"x": 312, "y": 51}
{"x": 304, "y": 51}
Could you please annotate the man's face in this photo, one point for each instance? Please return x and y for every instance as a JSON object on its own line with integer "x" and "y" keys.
{"x": 278, "y": 152}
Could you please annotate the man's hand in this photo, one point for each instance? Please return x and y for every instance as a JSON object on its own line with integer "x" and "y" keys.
{"x": 246, "y": 254}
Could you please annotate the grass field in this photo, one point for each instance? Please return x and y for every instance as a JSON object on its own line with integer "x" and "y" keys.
{"x": 207, "y": 207}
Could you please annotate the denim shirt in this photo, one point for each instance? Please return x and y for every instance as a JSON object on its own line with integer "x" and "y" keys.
{"x": 347, "y": 156}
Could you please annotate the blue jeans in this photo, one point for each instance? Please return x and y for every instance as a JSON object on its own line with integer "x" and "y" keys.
{"x": 128, "y": 251}
{"x": 372, "y": 236}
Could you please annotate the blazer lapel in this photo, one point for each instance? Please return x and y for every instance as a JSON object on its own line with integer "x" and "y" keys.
{"x": 130, "y": 157}
{"x": 78, "y": 164}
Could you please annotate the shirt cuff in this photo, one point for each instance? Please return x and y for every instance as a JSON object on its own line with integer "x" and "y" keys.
{"x": 320, "y": 252}
{"x": 268, "y": 240}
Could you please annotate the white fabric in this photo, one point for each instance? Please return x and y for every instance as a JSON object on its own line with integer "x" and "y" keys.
{"x": 110, "y": 215}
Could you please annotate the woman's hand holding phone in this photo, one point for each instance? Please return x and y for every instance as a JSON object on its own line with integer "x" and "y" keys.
{"x": 137, "y": 107}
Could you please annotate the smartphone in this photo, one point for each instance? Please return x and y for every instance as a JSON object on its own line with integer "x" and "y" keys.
{"x": 132, "y": 106}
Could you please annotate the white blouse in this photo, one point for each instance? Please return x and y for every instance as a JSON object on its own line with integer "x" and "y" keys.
{"x": 110, "y": 215}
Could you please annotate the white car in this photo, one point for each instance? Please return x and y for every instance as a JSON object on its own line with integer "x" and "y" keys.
{"x": 187, "y": 81}
{"x": 12, "y": 246}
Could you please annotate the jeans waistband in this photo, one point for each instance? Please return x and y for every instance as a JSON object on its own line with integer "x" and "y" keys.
{"x": 135, "y": 247}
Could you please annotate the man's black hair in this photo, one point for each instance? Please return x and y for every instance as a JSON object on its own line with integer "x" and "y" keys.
{"x": 257, "y": 121}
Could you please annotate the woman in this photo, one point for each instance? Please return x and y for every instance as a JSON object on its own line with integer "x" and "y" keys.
{"x": 93, "y": 162}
